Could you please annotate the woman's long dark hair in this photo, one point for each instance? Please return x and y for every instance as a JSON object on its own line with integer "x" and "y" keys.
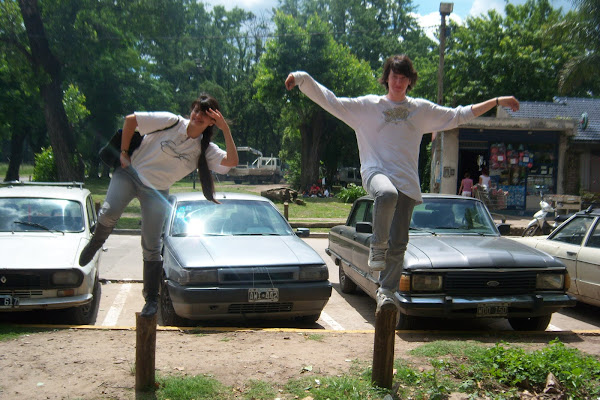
{"x": 204, "y": 102}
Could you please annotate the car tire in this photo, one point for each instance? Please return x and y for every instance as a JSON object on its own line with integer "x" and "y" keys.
{"x": 530, "y": 231}
{"x": 86, "y": 314}
{"x": 530, "y": 324}
{"x": 406, "y": 322}
{"x": 346, "y": 284}
{"x": 166, "y": 312}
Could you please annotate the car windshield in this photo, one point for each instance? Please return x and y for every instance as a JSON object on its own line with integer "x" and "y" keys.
{"x": 452, "y": 216}
{"x": 231, "y": 217}
{"x": 26, "y": 214}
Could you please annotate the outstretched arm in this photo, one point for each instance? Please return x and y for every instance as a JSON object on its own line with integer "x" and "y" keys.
{"x": 504, "y": 101}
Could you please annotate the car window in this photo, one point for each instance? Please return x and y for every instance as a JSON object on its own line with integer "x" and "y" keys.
{"x": 452, "y": 216}
{"x": 574, "y": 231}
{"x": 361, "y": 213}
{"x": 594, "y": 240}
{"x": 25, "y": 214}
{"x": 91, "y": 211}
{"x": 231, "y": 217}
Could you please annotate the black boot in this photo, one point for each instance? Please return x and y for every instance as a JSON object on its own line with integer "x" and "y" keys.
{"x": 100, "y": 235}
{"x": 152, "y": 275}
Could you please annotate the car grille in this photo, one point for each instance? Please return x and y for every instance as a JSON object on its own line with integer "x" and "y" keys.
{"x": 12, "y": 280}
{"x": 22, "y": 294}
{"x": 490, "y": 283}
{"x": 249, "y": 308}
{"x": 259, "y": 274}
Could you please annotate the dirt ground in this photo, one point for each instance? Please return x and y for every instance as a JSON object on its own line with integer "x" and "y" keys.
{"x": 99, "y": 364}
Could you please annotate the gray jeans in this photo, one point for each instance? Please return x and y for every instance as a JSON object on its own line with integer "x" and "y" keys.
{"x": 392, "y": 211}
{"x": 124, "y": 186}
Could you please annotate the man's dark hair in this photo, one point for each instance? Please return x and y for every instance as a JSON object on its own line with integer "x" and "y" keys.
{"x": 204, "y": 102}
{"x": 400, "y": 64}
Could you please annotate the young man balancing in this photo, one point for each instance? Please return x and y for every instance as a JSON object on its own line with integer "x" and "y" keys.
{"x": 388, "y": 130}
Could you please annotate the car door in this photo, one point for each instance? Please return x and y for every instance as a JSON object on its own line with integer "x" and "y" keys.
{"x": 588, "y": 267}
{"x": 360, "y": 249}
{"x": 565, "y": 245}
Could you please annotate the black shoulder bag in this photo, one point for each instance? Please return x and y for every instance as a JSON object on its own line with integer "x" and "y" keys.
{"x": 110, "y": 153}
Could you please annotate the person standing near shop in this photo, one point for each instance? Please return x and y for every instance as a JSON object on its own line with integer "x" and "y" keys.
{"x": 163, "y": 158}
{"x": 466, "y": 186}
{"x": 388, "y": 130}
{"x": 484, "y": 178}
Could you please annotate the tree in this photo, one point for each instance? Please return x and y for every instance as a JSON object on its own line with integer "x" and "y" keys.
{"x": 48, "y": 68}
{"x": 580, "y": 75}
{"x": 311, "y": 49}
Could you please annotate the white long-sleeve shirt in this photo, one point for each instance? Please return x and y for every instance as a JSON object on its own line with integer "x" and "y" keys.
{"x": 388, "y": 133}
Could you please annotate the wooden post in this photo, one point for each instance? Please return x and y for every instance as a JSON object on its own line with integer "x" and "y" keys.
{"x": 383, "y": 348}
{"x": 145, "y": 352}
{"x": 286, "y": 207}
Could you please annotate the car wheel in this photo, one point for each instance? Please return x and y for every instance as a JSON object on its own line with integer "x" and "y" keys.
{"x": 530, "y": 231}
{"x": 406, "y": 322}
{"x": 166, "y": 312}
{"x": 530, "y": 324}
{"x": 86, "y": 314}
{"x": 346, "y": 284}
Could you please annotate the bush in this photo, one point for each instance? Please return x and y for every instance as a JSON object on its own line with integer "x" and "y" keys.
{"x": 44, "y": 169}
{"x": 350, "y": 193}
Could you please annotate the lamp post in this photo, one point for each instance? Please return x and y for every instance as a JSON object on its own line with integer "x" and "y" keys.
{"x": 438, "y": 140}
{"x": 445, "y": 10}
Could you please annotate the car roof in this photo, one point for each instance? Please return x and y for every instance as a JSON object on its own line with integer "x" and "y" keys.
{"x": 594, "y": 212}
{"x": 45, "y": 190}
{"x": 189, "y": 196}
{"x": 435, "y": 196}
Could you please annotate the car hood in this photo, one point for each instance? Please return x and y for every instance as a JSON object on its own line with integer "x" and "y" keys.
{"x": 474, "y": 251}
{"x": 43, "y": 250}
{"x": 241, "y": 251}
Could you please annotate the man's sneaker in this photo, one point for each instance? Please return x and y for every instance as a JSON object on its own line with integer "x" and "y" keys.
{"x": 377, "y": 259}
{"x": 385, "y": 297}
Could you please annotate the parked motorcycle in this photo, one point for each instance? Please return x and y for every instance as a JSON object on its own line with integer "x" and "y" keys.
{"x": 545, "y": 220}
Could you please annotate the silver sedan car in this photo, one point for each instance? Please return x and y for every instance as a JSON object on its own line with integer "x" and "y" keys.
{"x": 239, "y": 259}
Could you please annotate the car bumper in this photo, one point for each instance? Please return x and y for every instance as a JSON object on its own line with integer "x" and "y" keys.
{"x": 295, "y": 300}
{"x": 519, "y": 306}
{"x": 54, "y": 303}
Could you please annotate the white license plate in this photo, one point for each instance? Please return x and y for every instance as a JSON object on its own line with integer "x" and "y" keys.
{"x": 492, "y": 310}
{"x": 9, "y": 301}
{"x": 266, "y": 295}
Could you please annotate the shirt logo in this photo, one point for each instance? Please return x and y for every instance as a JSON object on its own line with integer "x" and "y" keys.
{"x": 169, "y": 147}
{"x": 396, "y": 115}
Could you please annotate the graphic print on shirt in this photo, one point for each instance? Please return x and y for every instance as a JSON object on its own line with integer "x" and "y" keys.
{"x": 396, "y": 115}
{"x": 170, "y": 147}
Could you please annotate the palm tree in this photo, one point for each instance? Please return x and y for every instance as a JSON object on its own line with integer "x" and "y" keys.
{"x": 585, "y": 28}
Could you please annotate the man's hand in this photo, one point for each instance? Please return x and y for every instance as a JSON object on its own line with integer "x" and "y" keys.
{"x": 290, "y": 82}
{"x": 509, "y": 101}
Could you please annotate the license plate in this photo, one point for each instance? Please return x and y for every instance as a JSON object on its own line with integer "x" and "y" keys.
{"x": 9, "y": 301}
{"x": 492, "y": 310}
{"x": 267, "y": 295}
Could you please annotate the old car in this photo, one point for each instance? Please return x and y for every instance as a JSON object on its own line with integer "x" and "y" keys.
{"x": 43, "y": 228}
{"x": 239, "y": 259}
{"x": 456, "y": 265}
{"x": 576, "y": 243}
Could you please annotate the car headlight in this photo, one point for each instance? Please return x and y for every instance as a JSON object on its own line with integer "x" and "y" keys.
{"x": 421, "y": 283}
{"x": 66, "y": 278}
{"x": 313, "y": 273}
{"x": 201, "y": 276}
{"x": 550, "y": 281}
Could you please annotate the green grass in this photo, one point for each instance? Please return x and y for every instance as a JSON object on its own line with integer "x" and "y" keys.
{"x": 25, "y": 171}
{"x": 434, "y": 371}
{"x": 10, "y": 332}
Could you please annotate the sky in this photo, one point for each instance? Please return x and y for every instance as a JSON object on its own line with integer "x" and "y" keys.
{"x": 427, "y": 10}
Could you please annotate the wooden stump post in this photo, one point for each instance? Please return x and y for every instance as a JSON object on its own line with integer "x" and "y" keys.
{"x": 383, "y": 348}
{"x": 145, "y": 352}
{"x": 286, "y": 208}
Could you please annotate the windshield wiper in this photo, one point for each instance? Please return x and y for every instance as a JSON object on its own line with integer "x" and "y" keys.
{"x": 36, "y": 225}
{"x": 422, "y": 230}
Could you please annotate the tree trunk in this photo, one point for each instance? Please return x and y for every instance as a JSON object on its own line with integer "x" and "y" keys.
{"x": 16, "y": 157}
{"x": 311, "y": 134}
{"x": 68, "y": 167}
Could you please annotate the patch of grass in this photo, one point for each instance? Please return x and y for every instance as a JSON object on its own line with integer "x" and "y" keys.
{"x": 345, "y": 387}
{"x": 316, "y": 337}
{"x": 10, "y": 332}
{"x": 440, "y": 348}
{"x": 25, "y": 171}
{"x": 195, "y": 387}
{"x": 259, "y": 390}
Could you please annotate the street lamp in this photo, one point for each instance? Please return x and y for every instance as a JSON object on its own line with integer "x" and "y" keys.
{"x": 445, "y": 10}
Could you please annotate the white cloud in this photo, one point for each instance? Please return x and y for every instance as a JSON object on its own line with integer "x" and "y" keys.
{"x": 482, "y": 6}
{"x": 432, "y": 21}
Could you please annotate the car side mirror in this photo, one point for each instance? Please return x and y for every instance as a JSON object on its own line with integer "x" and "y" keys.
{"x": 364, "y": 227}
{"x": 303, "y": 232}
{"x": 504, "y": 229}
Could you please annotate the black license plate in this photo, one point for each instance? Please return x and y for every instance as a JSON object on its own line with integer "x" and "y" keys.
{"x": 9, "y": 301}
{"x": 492, "y": 310}
{"x": 266, "y": 295}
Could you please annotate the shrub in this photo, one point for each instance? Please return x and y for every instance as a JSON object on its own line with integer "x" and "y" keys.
{"x": 351, "y": 193}
{"x": 44, "y": 169}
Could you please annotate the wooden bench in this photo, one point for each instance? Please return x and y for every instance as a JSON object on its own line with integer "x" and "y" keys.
{"x": 565, "y": 203}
